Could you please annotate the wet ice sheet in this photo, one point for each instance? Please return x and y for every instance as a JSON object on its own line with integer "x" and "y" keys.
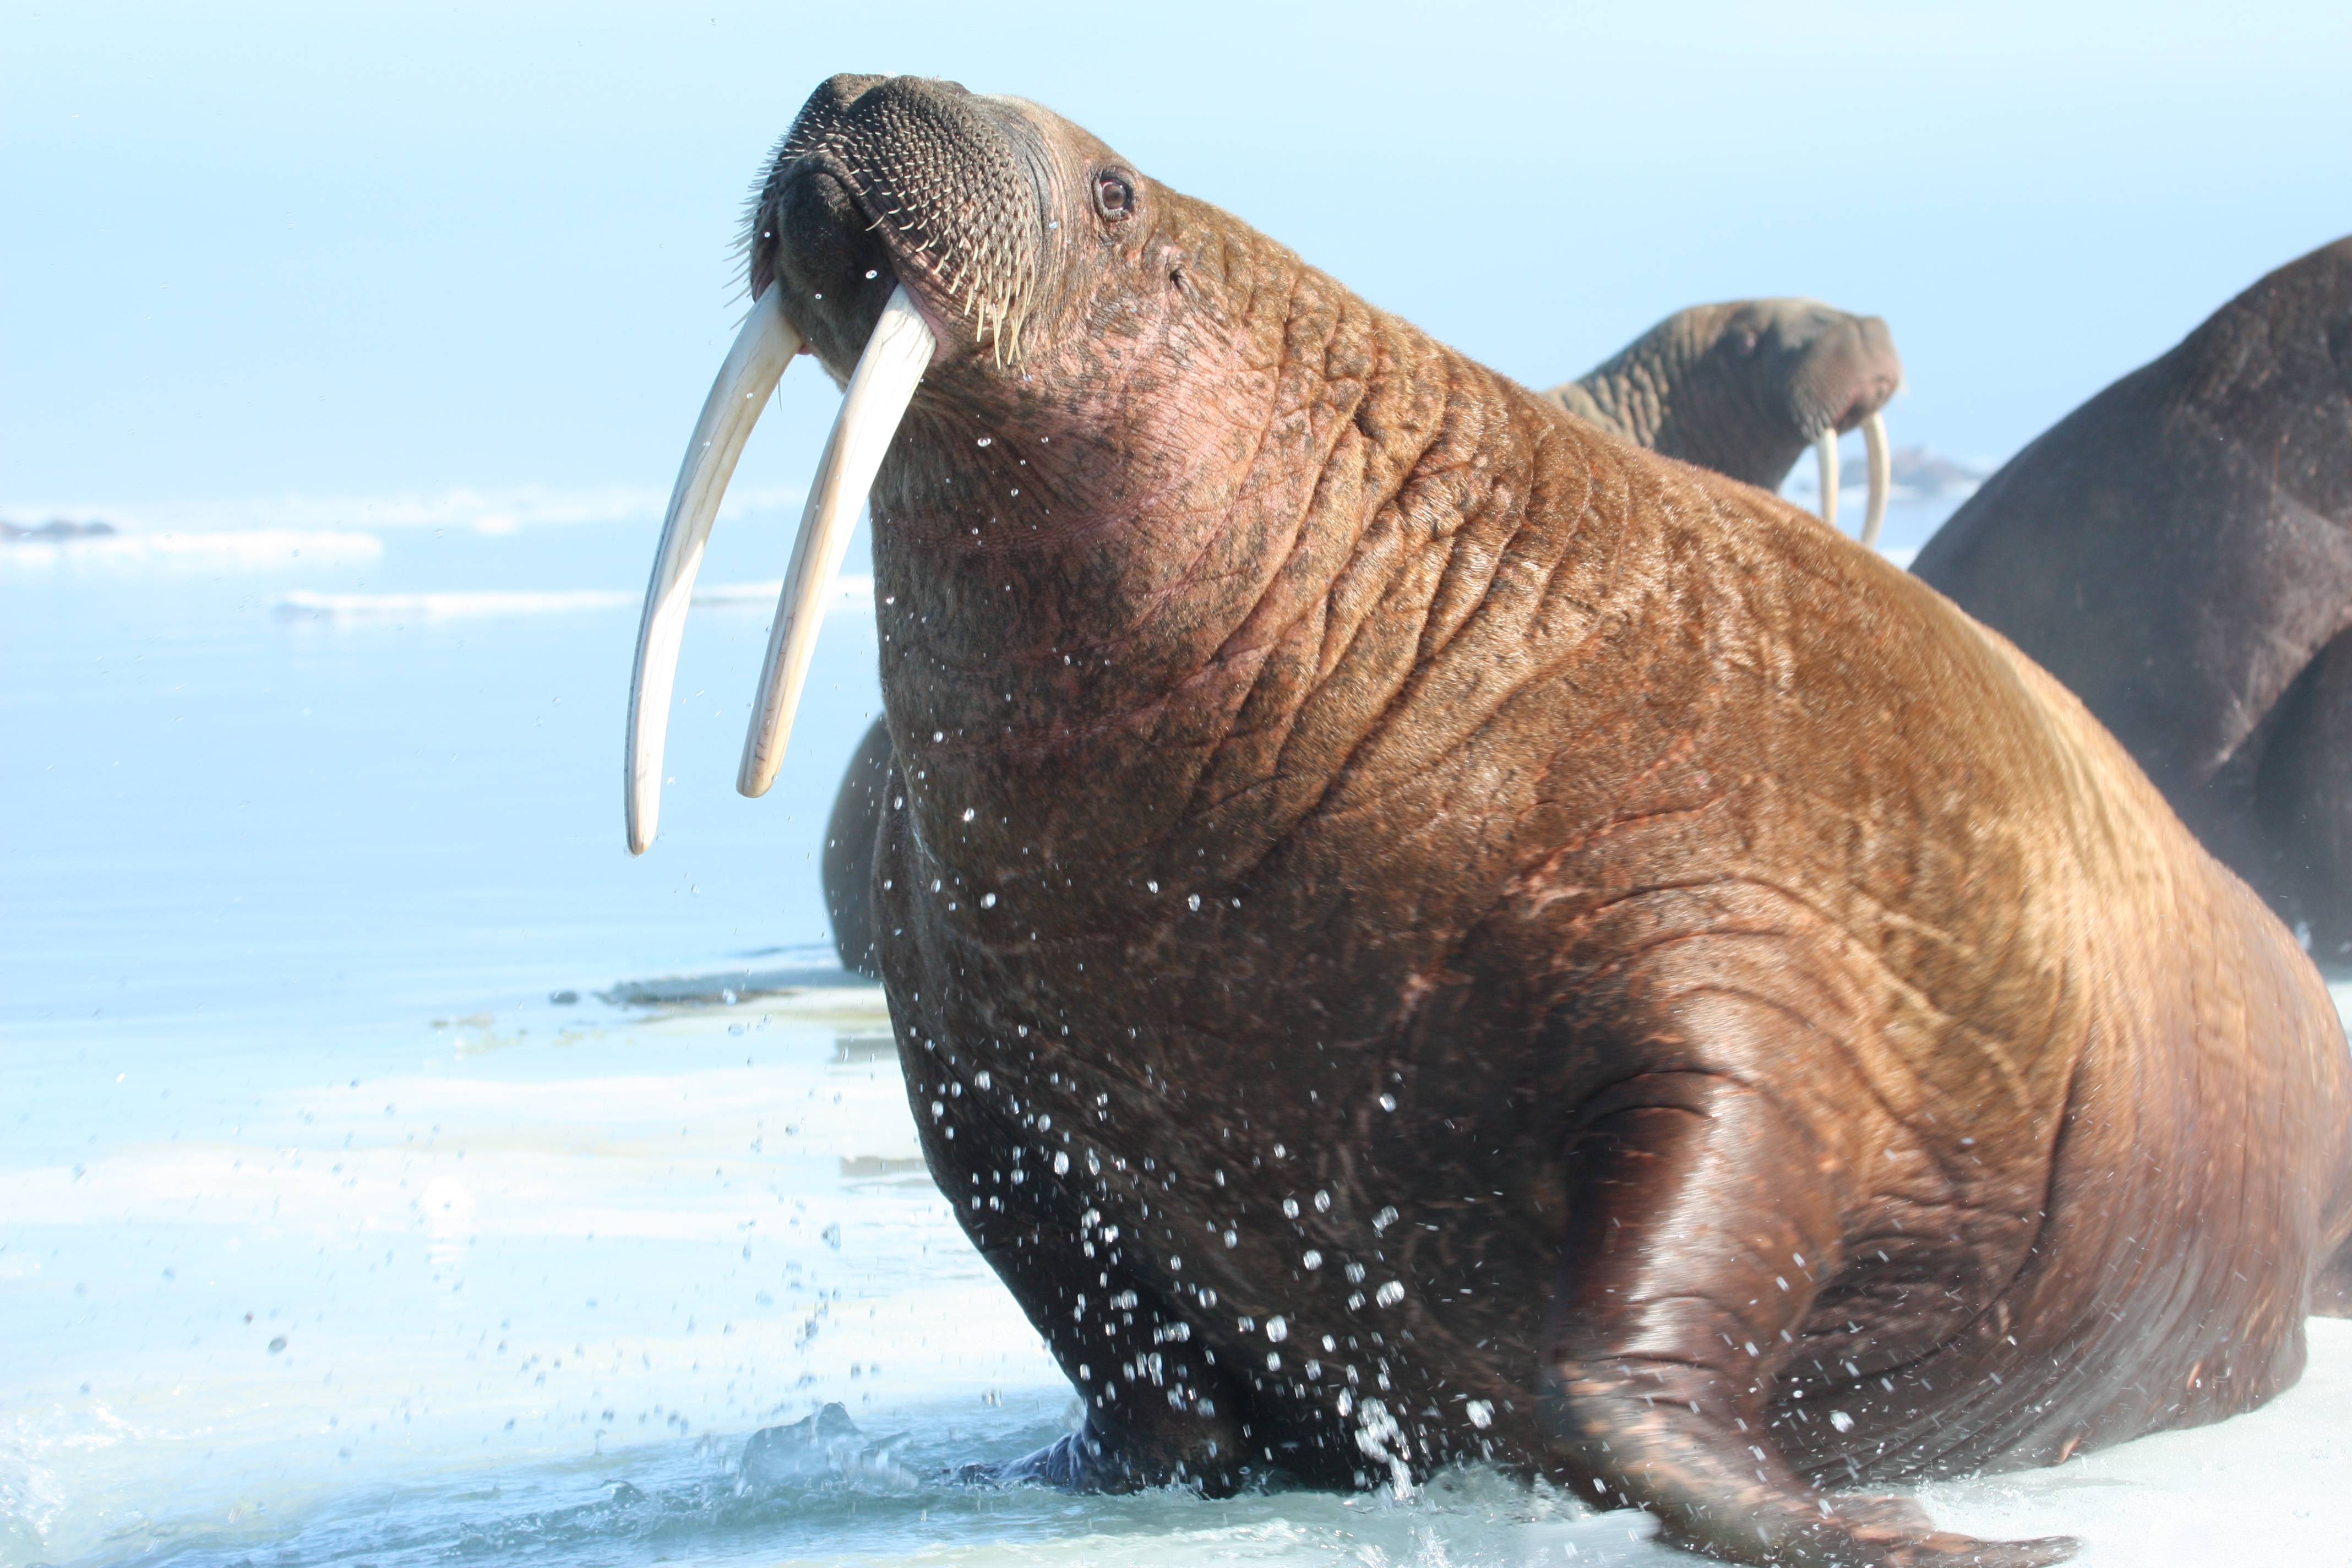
{"x": 510, "y": 1246}
{"x": 526, "y": 1288}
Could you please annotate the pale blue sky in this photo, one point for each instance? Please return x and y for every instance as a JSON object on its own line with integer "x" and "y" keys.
{"x": 342, "y": 250}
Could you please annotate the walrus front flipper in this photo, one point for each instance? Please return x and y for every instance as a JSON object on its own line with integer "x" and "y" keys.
{"x": 848, "y": 864}
{"x": 1160, "y": 1411}
{"x": 2303, "y": 795}
{"x": 1701, "y": 1219}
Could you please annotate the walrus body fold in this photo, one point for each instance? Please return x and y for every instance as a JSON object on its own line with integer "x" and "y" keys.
{"x": 1417, "y": 930}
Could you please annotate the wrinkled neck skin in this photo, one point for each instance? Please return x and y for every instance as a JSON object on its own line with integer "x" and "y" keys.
{"x": 1118, "y": 616}
{"x": 1670, "y": 391}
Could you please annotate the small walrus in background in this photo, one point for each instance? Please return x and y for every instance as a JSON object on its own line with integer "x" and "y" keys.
{"x": 1744, "y": 388}
{"x": 2179, "y": 551}
{"x": 1417, "y": 930}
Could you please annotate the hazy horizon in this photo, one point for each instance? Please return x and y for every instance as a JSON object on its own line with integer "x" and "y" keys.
{"x": 387, "y": 254}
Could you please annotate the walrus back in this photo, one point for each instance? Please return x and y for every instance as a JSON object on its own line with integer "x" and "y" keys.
{"x": 2200, "y": 1178}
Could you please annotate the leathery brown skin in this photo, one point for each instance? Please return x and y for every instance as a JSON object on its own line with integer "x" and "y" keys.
{"x": 1742, "y": 388}
{"x": 1417, "y": 930}
{"x": 2179, "y": 551}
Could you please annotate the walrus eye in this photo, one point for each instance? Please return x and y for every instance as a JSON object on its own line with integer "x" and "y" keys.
{"x": 1114, "y": 196}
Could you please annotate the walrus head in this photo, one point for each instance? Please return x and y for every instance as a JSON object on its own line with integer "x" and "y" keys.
{"x": 1745, "y": 387}
{"x": 903, "y": 226}
{"x": 983, "y": 271}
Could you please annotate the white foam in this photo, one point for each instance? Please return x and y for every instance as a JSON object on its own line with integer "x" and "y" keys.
{"x": 246, "y": 549}
{"x": 854, "y": 593}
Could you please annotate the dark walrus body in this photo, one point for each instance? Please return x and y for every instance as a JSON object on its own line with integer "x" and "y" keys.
{"x": 2179, "y": 551}
{"x": 1417, "y": 929}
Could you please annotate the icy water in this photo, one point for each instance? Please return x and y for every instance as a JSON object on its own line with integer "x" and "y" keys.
{"x": 393, "y": 1171}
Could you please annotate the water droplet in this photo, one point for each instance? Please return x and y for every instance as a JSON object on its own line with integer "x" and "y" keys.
{"x": 1390, "y": 1294}
{"x": 1385, "y": 1218}
{"x": 1322, "y": 1203}
{"x": 1061, "y": 1164}
{"x": 1153, "y": 887}
{"x": 1277, "y": 1329}
{"x": 1192, "y": 901}
{"x": 1290, "y": 1209}
{"x": 983, "y": 1079}
{"x": 987, "y": 440}
{"x": 1232, "y": 1238}
{"x": 1840, "y": 1420}
{"x": 1313, "y": 1259}
{"x": 1481, "y": 1414}
{"x": 1388, "y": 1102}
{"x": 988, "y": 902}
{"x": 870, "y": 273}
{"x": 968, "y": 814}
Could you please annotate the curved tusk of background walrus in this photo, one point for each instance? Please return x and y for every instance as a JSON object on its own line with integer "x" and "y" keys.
{"x": 1881, "y": 477}
{"x": 887, "y": 376}
{"x": 763, "y": 349}
{"x": 1825, "y": 454}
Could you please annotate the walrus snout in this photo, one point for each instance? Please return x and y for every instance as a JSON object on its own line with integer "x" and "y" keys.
{"x": 1859, "y": 371}
{"x": 1846, "y": 373}
{"x": 903, "y": 180}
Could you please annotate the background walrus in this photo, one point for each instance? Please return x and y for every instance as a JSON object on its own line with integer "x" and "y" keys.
{"x": 1744, "y": 388}
{"x": 2179, "y": 551}
{"x": 1416, "y": 930}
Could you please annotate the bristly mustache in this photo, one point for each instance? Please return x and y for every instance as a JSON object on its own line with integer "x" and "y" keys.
{"x": 973, "y": 229}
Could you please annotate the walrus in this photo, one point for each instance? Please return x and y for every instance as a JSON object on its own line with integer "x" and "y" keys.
{"x": 1417, "y": 930}
{"x": 1745, "y": 388}
{"x": 2179, "y": 551}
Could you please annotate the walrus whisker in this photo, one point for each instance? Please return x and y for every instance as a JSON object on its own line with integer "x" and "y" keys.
{"x": 896, "y": 355}
{"x": 754, "y": 365}
{"x": 1881, "y": 477}
{"x": 1825, "y": 454}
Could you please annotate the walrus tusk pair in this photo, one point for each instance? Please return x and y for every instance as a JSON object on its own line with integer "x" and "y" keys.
{"x": 1882, "y": 475}
{"x": 897, "y": 354}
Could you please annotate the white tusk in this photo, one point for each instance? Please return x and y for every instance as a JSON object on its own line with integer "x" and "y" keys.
{"x": 763, "y": 349}
{"x": 1825, "y": 453}
{"x": 1881, "y": 477}
{"x": 887, "y": 376}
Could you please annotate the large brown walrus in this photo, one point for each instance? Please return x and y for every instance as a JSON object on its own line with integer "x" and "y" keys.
{"x": 1417, "y": 929}
{"x": 1744, "y": 388}
{"x": 2179, "y": 551}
